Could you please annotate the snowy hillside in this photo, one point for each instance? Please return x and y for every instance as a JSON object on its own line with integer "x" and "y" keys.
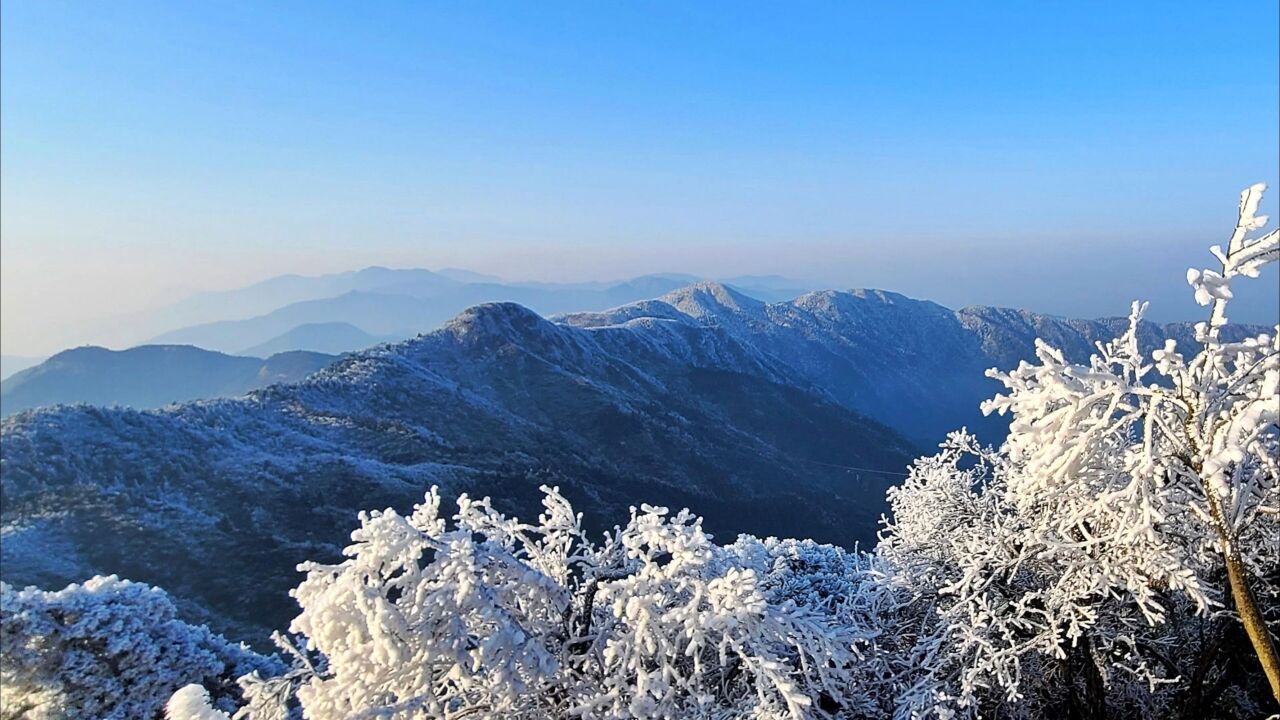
{"x": 766, "y": 416}
{"x": 394, "y": 303}
{"x": 911, "y": 364}
{"x": 149, "y": 376}
{"x": 216, "y": 501}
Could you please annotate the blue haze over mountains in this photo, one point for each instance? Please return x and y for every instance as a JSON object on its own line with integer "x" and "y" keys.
{"x": 322, "y": 315}
{"x": 766, "y": 409}
{"x": 387, "y": 303}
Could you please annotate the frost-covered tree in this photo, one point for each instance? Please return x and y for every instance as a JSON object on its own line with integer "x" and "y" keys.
{"x": 108, "y": 649}
{"x": 1009, "y": 623}
{"x": 1094, "y": 565}
{"x": 491, "y": 617}
{"x": 1130, "y": 493}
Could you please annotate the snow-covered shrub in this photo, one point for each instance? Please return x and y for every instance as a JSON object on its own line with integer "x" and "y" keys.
{"x": 1117, "y": 509}
{"x": 107, "y": 649}
{"x": 1097, "y": 564}
{"x": 494, "y": 618}
{"x": 1009, "y": 620}
{"x": 192, "y": 702}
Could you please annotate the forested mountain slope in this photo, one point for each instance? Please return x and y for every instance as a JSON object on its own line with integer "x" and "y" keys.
{"x": 912, "y": 364}
{"x": 216, "y": 501}
{"x": 149, "y": 376}
{"x": 767, "y": 417}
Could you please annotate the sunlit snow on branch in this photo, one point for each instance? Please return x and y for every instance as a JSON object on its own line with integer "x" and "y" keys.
{"x": 1116, "y": 556}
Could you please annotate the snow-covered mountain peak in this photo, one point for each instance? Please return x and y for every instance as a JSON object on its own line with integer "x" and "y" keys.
{"x": 864, "y": 298}
{"x": 499, "y": 318}
{"x": 705, "y": 398}
{"x": 708, "y": 298}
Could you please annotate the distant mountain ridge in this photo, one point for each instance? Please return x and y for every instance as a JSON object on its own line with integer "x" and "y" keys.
{"x": 449, "y": 290}
{"x": 12, "y": 364}
{"x": 331, "y": 338}
{"x": 149, "y": 376}
{"x": 871, "y": 350}
{"x": 398, "y": 304}
{"x": 276, "y": 292}
{"x": 787, "y": 418}
{"x": 912, "y": 364}
{"x": 499, "y": 401}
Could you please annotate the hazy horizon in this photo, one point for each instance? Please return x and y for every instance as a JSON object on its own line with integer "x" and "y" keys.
{"x": 974, "y": 155}
{"x": 1254, "y": 303}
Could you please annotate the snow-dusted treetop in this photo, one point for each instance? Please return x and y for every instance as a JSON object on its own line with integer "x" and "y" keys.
{"x": 1130, "y": 489}
{"x": 491, "y": 617}
{"x": 109, "y": 649}
{"x": 1094, "y": 565}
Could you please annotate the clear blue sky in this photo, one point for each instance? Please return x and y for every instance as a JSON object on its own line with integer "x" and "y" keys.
{"x": 1064, "y": 157}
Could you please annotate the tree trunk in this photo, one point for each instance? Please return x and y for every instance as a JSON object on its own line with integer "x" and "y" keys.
{"x": 1095, "y": 689}
{"x": 1254, "y": 624}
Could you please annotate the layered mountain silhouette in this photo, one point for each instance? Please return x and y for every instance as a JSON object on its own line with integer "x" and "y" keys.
{"x": 912, "y": 364}
{"x": 11, "y": 364}
{"x": 218, "y": 500}
{"x": 786, "y": 418}
{"x": 149, "y": 376}
{"x": 396, "y": 304}
{"x": 333, "y": 338}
